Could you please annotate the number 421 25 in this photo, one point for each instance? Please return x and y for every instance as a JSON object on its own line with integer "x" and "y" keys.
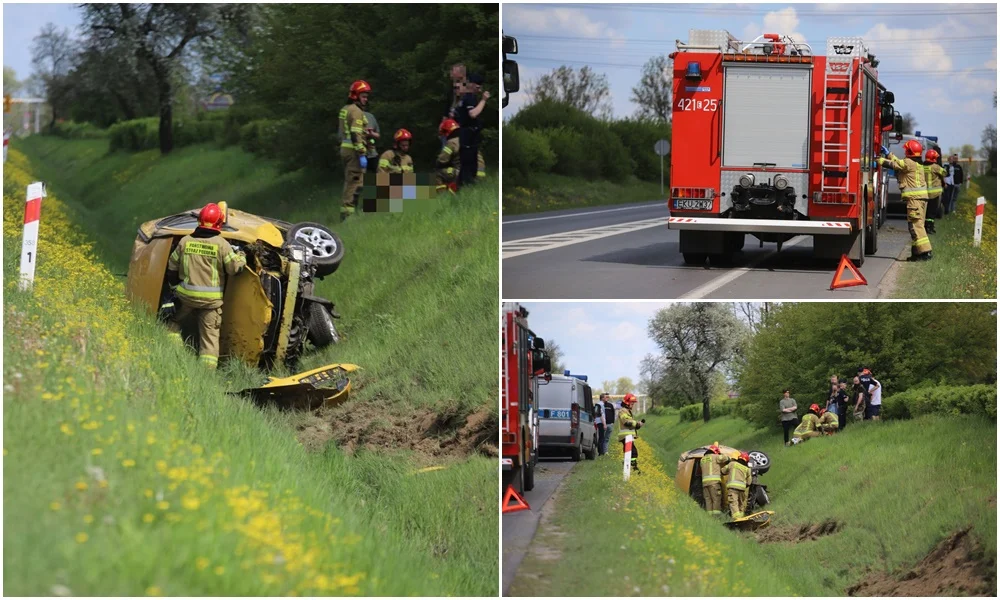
{"x": 688, "y": 104}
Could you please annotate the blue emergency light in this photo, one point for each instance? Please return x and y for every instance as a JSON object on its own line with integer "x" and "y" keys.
{"x": 693, "y": 70}
{"x": 580, "y": 377}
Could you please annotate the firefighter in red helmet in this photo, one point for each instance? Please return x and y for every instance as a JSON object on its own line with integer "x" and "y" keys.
{"x": 197, "y": 269}
{"x": 353, "y": 145}
{"x": 913, "y": 186}
{"x": 629, "y": 426}
{"x": 398, "y": 159}
{"x": 448, "y": 161}
{"x": 934, "y": 174}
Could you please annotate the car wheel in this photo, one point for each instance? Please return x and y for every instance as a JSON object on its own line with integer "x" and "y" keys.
{"x": 576, "y": 454}
{"x": 592, "y": 453}
{"x": 325, "y": 246}
{"x": 759, "y": 461}
{"x": 322, "y": 331}
{"x": 760, "y": 496}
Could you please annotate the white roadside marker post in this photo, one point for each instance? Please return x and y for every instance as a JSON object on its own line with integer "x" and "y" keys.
{"x": 627, "y": 466}
{"x": 29, "y": 243}
{"x": 977, "y": 235}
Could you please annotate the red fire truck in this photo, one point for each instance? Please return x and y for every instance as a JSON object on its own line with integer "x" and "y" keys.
{"x": 774, "y": 141}
{"x": 523, "y": 362}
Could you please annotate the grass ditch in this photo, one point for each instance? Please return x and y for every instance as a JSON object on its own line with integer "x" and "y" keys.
{"x": 118, "y": 445}
{"x": 959, "y": 269}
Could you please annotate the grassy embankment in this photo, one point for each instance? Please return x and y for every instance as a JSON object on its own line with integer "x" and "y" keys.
{"x": 558, "y": 192}
{"x": 129, "y": 470}
{"x": 959, "y": 269}
{"x": 896, "y": 488}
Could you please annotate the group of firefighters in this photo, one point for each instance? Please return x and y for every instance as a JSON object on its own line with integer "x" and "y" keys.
{"x": 458, "y": 162}
{"x": 921, "y": 183}
{"x": 738, "y": 477}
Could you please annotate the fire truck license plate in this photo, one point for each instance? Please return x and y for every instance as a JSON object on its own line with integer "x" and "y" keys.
{"x": 693, "y": 204}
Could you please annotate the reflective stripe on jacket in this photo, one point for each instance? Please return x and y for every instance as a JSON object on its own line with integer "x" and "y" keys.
{"x": 628, "y": 423}
{"x": 711, "y": 467}
{"x": 202, "y": 264}
{"x": 809, "y": 423}
{"x": 353, "y": 123}
{"x": 829, "y": 418}
{"x": 739, "y": 475}
{"x": 393, "y": 161}
{"x": 448, "y": 162}
{"x": 910, "y": 176}
{"x": 934, "y": 176}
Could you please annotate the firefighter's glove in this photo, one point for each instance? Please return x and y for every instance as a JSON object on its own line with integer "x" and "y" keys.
{"x": 364, "y": 161}
{"x": 874, "y": 164}
{"x": 884, "y": 150}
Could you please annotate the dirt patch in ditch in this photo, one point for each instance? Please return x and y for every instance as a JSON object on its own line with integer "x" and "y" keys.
{"x": 798, "y": 533}
{"x": 433, "y": 434}
{"x": 955, "y": 567}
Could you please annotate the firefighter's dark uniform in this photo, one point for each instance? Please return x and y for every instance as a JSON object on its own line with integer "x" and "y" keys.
{"x": 711, "y": 481}
{"x": 738, "y": 475}
{"x": 448, "y": 163}
{"x": 913, "y": 188}
{"x": 934, "y": 176}
{"x": 353, "y": 146}
{"x": 202, "y": 261}
{"x": 395, "y": 161}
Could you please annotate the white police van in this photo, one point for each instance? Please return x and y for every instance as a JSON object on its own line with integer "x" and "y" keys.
{"x": 566, "y": 417}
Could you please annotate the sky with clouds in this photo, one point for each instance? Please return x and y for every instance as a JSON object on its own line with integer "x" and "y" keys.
{"x": 602, "y": 340}
{"x": 22, "y": 22}
{"x": 958, "y": 41}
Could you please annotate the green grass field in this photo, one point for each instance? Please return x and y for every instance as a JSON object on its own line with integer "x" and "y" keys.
{"x": 897, "y": 488}
{"x": 129, "y": 470}
{"x": 959, "y": 269}
{"x": 557, "y": 192}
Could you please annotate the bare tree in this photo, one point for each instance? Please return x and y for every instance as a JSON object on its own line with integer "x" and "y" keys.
{"x": 52, "y": 56}
{"x": 157, "y": 35}
{"x": 654, "y": 92}
{"x": 754, "y": 314}
{"x": 583, "y": 89}
{"x": 989, "y": 149}
{"x": 555, "y": 355}
{"x": 696, "y": 341}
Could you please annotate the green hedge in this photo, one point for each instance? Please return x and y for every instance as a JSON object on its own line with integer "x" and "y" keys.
{"x": 78, "y": 131}
{"x": 143, "y": 134}
{"x": 525, "y": 152}
{"x": 601, "y": 145}
{"x": 951, "y": 400}
{"x": 692, "y": 412}
{"x": 639, "y": 136}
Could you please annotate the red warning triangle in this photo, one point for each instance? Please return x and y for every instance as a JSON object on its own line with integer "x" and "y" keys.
{"x": 847, "y": 275}
{"x": 518, "y": 504}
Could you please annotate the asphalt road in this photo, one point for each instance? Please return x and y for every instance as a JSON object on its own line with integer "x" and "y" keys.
{"x": 519, "y": 527}
{"x": 626, "y": 251}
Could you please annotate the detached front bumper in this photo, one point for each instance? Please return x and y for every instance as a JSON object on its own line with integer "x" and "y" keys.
{"x": 796, "y": 227}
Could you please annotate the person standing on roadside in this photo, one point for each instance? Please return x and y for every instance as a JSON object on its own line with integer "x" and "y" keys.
{"x": 599, "y": 424}
{"x": 455, "y": 91}
{"x": 874, "y": 401}
{"x": 860, "y": 397}
{"x": 609, "y": 420}
{"x": 831, "y": 403}
{"x": 789, "y": 416}
{"x": 467, "y": 114}
{"x": 842, "y": 402}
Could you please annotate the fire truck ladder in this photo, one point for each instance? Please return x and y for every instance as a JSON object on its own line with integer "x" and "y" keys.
{"x": 838, "y": 83}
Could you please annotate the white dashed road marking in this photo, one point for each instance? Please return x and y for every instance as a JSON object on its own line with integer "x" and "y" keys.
{"x": 568, "y": 238}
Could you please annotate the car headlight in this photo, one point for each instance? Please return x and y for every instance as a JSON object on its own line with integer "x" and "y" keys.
{"x": 746, "y": 180}
{"x": 780, "y": 182}
{"x": 297, "y": 253}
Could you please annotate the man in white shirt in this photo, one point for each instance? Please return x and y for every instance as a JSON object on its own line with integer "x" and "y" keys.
{"x": 875, "y": 403}
{"x": 599, "y": 425}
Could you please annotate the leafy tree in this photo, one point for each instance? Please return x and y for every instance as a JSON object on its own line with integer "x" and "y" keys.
{"x": 989, "y": 149}
{"x": 157, "y": 35}
{"x": 909, "y": 123}
{"x": 654, "y": 92}
{"x": 11, "y": 85}
{"x": 624, "y": 385}
{"x": 555, "y": 355}
{"x": 52, "y": 56}
{"x": 968, "y": 151}
{"x": 696, "y": 341}
{"x": 584, "y": 90}
{"x": 905, "y": 345}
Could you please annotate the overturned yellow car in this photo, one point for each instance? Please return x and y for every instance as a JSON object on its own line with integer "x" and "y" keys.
{"x": 269, "y": 309}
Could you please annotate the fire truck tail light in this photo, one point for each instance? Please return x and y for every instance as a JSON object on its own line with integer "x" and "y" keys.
{"x": 746, "y": 181}
{"x": 833, "y": 197}
{"x": 692, "y": 193}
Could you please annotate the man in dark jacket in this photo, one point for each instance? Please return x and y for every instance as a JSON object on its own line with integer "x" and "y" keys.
{"x": 467, "y": 114}
{"x": 955, "y": 179}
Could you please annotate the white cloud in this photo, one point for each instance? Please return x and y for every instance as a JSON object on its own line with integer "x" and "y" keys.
{"x": 782, "y": 22}
{"x": 625, "y": 332}
{"x": 561, "y": 21}
{"x": 992, "y": 63}
{"x": 932, "y": 56}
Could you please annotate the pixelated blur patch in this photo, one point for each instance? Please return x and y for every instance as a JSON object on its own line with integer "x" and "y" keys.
{"x": 394, "y": 192}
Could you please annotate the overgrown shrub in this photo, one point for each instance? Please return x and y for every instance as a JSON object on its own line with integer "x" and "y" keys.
{"x": 598, "y": 141}
{"x": 144, "y": 134}
{"x": 951, "y": 400}
{"x": 572, "y": 156}
{"x": 265, "y": 137}
{"x": 525, "y": 152}
{"x": 639, "y": 136}
{"x": 693, "y": 412}
{"x": 78, "y": 131}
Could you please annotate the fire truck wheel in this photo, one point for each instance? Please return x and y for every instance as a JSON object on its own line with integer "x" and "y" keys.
{"x": 695, "y": 258}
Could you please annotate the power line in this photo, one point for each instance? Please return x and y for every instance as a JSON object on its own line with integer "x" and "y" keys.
{"x": 580, "y": 39}
{"x": 681, "y": 9}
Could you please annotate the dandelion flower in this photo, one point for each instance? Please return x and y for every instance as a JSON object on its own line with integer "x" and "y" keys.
{"x": 97, "y": 451}
{"x": 88, "y": 519}
{"x": 148, "y": 518}
{"x": 81, "y": 485}
{"x": 163, "y": 505}
{"x": 128, "y": 462}
{"x": 55, "y": 506}
{"x": 65, "y": 428}
{"x": 154, "y": 591}
{"x": 219, "y": 570}
{"x": 202, "y": 563}
{"x": 81, "y": 537}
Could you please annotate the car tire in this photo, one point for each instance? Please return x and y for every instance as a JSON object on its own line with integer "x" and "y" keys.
{"x": 576, "y": 454}
{"x": 322, "y": 331}
{"x": 760, "y": 497}
{"x": 761, "y": 461}
{"x": 325, "y": 245}
{"x": 592, "y": 453}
